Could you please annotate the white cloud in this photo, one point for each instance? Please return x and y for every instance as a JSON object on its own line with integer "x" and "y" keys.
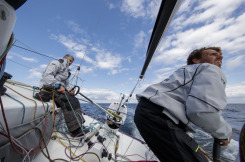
{"x": 29, "y": 59}
{"x": 141, "y": 8}
{"x": 236, "y": 93}
{"x": 235, "y": 62}
{"x": 152, "y": 9}
{"x": 34, "y": 74}
{"x": 140, "y": 39}
{"x": 75, "y": 27}
{"x": 133, "y": 8}
{"x": 129, "y": 59}
{"x": 111, "y": 6}
{"x": 85, "y": 69}
{"x": 207, "y": 23}
{"x": 43, "y": 66}
{"x": 100, "y": 95}
{"x": 106, "y": 60}
{"x": 103, "y": 59}
{"x": 72, "y": 45}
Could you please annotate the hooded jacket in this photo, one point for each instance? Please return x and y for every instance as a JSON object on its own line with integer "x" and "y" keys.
{"x": 56, "y": 72}
{"x": 193, "y": 94}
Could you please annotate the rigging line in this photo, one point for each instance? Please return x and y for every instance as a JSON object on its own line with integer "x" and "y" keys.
{"x": 130, "y": 95}
{"x": 34, "y": 52}
{"x": 24, "y": 65}
{"x": 94, "y": 30}
{"x": 128, "y": 147}
{"x": 90, "y": 39}
{"x": 24, "y": 44}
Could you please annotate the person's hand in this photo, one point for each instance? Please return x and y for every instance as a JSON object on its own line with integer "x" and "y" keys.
{"x": 61, "y": 89}
{"x": 72, "y": 91}
{"x": 225, "y": 142}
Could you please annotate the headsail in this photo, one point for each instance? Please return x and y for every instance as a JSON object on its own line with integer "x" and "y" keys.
{"x": 165, "y": 15}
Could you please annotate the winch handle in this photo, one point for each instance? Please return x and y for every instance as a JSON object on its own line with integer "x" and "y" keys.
{"x": 216, "y": 150}
{"x": 78, "y": 90}
{"x": 114, "y": 114}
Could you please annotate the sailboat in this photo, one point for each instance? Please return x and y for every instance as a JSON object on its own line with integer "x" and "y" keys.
{"x": 33, "y": 130}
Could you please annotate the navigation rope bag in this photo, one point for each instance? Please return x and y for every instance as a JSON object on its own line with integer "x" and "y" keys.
{"x": 45, "y": 94}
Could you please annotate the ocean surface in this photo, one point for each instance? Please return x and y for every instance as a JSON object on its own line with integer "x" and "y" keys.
{"x": 234, "y": 114}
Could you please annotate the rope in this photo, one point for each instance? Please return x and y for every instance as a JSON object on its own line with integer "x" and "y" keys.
{"x": 26, "y": 98}
{"x": 33, "y": 51}
{"x": 39, "y": 100}
{"x": 24, "y": 108}
{"x": 58, "y": 136}
{"x": 132, "y": 91}
{"x": 128, "y": 147}
{"x": 81, "y": 126}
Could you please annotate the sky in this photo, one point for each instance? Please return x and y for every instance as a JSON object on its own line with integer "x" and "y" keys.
{"x": 109, "y": 38}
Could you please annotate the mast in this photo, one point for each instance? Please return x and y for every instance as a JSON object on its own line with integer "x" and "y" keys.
{"x": 165, "y": 15}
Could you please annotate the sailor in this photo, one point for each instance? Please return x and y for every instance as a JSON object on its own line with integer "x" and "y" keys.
{"x": 55, "y": 77}
{"x": 195, "y": 93}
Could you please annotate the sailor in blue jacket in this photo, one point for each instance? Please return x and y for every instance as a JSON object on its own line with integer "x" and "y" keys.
{"x": 193, "y": 94}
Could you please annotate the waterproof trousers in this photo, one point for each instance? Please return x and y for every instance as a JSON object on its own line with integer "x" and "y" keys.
{"x": 71, "y": 109}
{"x": 168, "y": 141}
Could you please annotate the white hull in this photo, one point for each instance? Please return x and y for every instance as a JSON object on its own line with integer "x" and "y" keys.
{"x": 116, "y": 145}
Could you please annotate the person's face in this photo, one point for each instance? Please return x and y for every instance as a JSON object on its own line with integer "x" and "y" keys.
{"x": 70, "y": 60}
{"x": 210, "y": 56}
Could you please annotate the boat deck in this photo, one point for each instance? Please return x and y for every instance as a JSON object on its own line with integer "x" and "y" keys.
{"x": 101, "y": 143}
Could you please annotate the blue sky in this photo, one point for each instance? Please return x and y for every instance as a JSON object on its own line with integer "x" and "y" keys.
{"x": 109, "y": 39}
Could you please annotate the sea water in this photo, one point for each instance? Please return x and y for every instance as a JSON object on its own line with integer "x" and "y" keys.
{"x": 234, "y": 114}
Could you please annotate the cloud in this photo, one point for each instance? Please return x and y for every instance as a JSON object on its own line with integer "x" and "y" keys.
{"x": 207, "y": 23}
{"x": 103, "y": 58}
{"x": 111, "y": 6}
{"x": 116, "y": 71}
{"x": 133, "y": 8}
{"x": 29, "y": 59}
{"x": 141, "y": 8}
{"x": 75, "y": 27}
{"x": 236, "y": 93}
{"x": 100, "y": 95}
{"x": 34, "y": 74}
{"x": 235, "y": 62}
{"x": 85, "y": 69}
{"x": 12, "y": 54}
{"x": 69, "y": 42}
{"x": 106, "y": 60}
{"x": 43, "y": 66}
{"x": 140, "y": 39}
